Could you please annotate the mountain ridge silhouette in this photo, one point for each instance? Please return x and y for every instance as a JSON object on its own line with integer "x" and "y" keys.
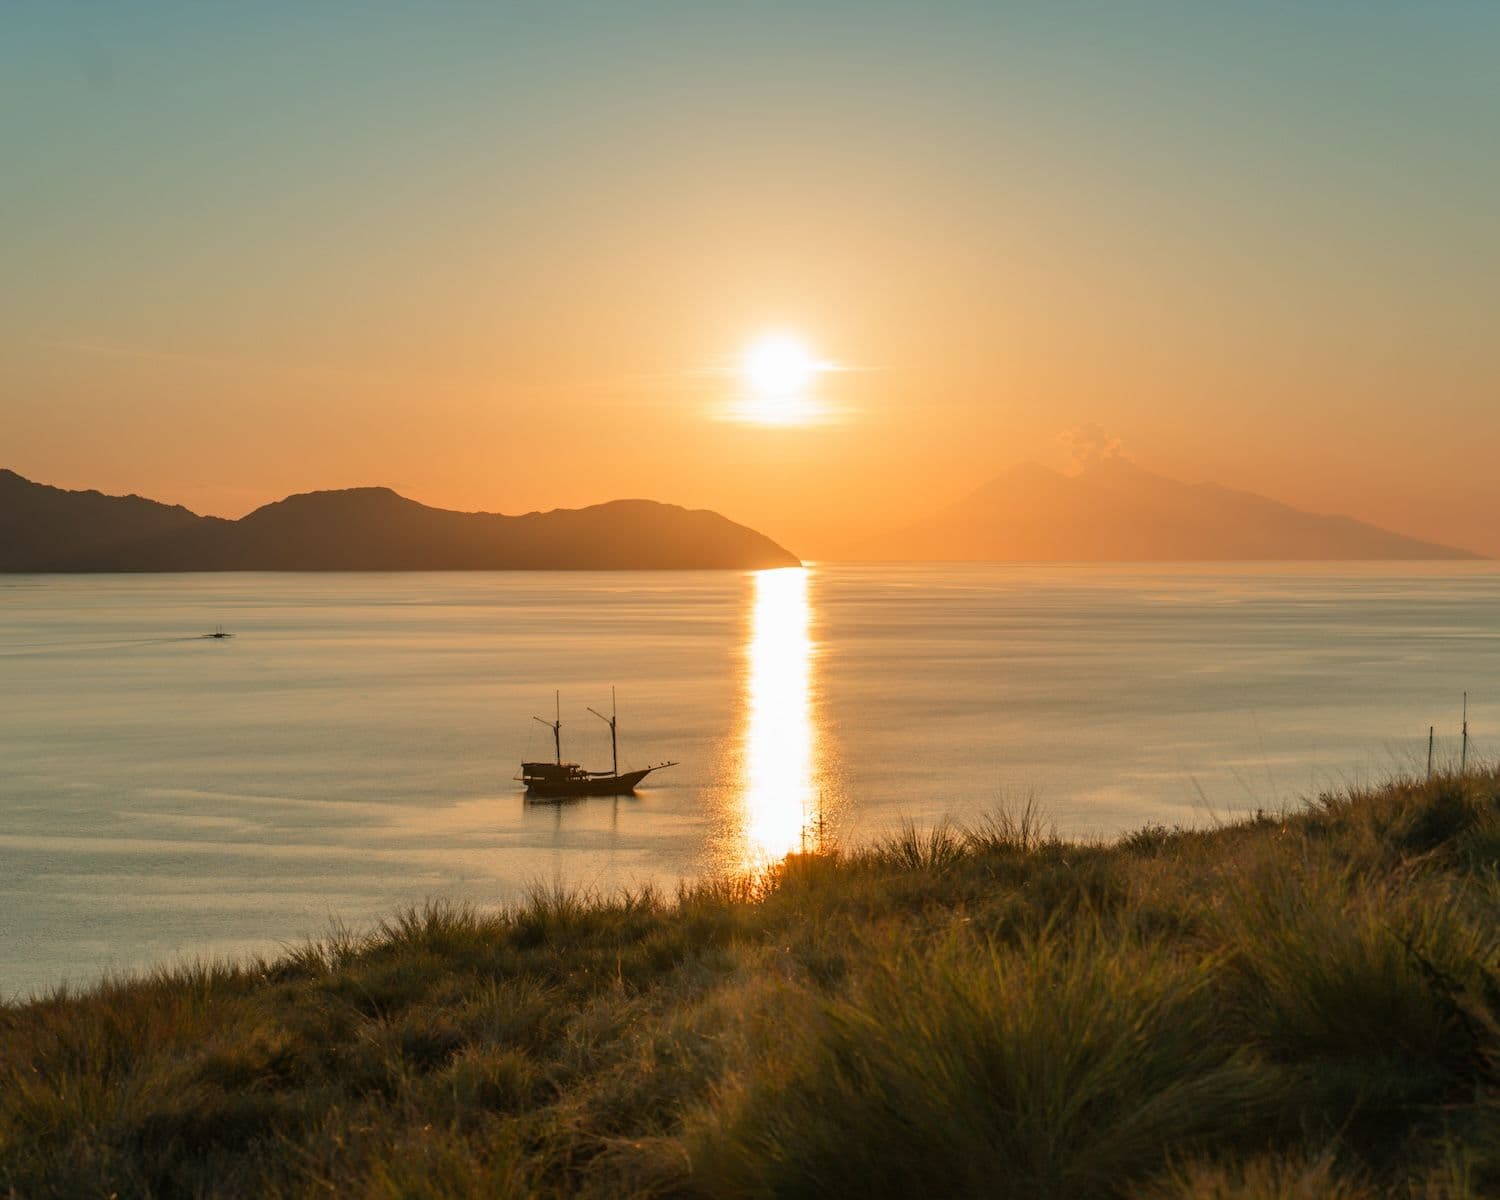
{"x": 1116, "y": 511}
{"x": 44, "y": 529}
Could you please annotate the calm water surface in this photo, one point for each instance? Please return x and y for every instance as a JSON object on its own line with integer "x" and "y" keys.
{"x": 352, "y": 748}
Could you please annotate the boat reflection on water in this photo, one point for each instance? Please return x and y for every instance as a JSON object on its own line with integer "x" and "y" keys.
{"x": 777, "y": 804}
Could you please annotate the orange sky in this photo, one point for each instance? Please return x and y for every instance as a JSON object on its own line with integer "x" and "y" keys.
{"x": 504, "y": 266}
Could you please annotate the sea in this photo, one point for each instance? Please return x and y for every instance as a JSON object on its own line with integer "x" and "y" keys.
{"x": 352, "y": 748}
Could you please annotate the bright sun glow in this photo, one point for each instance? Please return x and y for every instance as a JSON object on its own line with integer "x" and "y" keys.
{"x": 778, "y": 374}
{"x": 779, "y": 365}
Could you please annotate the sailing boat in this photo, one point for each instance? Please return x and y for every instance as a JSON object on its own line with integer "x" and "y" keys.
{"x": 560, "y": 780}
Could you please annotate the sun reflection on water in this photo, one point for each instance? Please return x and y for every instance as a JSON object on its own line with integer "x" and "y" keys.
{"x": 778, "y": 799}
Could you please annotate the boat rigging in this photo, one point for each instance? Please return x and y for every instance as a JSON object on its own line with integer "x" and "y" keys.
{"x": 560, "y": 780}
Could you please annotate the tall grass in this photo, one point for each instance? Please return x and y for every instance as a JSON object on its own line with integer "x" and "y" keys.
{"x": 1059, "y": 1067}
{"x": 1301, "y": 1004}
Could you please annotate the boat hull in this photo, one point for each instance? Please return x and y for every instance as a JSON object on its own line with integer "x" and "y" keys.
{"x": 596, "y": 785}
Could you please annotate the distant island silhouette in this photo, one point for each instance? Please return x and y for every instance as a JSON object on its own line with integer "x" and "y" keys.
{"x": 1114, "y": 511}
{"x": 45, "y": 529}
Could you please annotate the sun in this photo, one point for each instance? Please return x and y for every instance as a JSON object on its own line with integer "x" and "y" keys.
{"x": 779, "y": 364}
{"x": 778, "y": 373}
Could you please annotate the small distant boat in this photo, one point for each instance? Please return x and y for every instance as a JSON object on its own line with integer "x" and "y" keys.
{"x": 218, "y": 634}
{"x": 562, "y": 780}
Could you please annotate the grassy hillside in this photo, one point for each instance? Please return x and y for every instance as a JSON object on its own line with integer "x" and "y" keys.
{"x": 1297, "y": 1005}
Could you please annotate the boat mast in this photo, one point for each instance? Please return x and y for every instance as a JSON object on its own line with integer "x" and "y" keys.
{"x": 555, "y": 726}
{"x": 614, "y": 745}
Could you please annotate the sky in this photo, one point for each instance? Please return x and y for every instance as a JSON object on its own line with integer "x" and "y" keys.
{"x": 510, "y": 256}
